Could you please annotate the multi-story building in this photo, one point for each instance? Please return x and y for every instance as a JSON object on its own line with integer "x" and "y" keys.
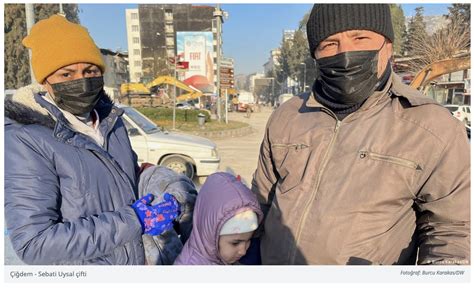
{"x": 272, "y": 61}
{"x": 134, "y": 44}
{"x": 116, "y": 72}
{"x": 158, "y": 25}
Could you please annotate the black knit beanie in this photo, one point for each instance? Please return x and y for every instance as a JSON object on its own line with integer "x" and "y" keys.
{"x": 328, "y": 19}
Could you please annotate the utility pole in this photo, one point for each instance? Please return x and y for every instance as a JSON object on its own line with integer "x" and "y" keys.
{"x": 304, "y": 76}
{"x": 273, "y": 89}
{"x": 30, "y": 21}
{"x": 174, "y": 95}
{"x": 61, "y": 11}
{"x": 218, "y": 15}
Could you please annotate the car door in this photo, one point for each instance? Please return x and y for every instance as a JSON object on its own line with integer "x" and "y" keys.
{"x": 138, "y": 140}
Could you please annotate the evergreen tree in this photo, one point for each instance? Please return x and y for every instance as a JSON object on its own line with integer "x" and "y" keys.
{"x": 399, "y": 28}
{"x": 460, "y": 14}
{"x": 416, "y": 28}
{"x": 17, "y": 70}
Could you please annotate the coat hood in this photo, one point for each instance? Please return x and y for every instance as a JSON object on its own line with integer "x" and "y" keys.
{"x": 220, "y": 198}
{"x": 24, "y": 108}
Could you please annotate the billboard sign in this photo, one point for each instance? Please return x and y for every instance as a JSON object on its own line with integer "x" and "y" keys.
{"x": 197, "y": 49}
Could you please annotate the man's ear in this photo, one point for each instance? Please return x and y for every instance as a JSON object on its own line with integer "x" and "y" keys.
{"x": 390, "y": 49}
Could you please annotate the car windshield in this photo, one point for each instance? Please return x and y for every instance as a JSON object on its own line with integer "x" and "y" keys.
{"x": 452, "y": 108}
{"x": 144, "y": 123}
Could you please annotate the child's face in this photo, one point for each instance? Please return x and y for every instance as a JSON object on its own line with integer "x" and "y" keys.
{"x": 233, "y": 246}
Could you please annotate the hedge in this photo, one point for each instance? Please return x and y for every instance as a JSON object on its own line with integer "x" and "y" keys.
{"x": 167, "y": 114}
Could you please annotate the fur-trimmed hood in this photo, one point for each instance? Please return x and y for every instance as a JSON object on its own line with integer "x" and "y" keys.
{"x": 24, "y": 108}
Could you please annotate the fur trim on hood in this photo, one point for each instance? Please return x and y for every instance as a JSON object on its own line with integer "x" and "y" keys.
{"x": 23, "y": 108}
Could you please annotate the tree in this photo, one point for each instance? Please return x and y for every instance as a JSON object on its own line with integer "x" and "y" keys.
{"x": 399, "y": 28}
{"x": 461, "y": 15}
{"x": 446, "y": 43}
{"x": 295, "y": 52}
{"x": 17, "y": 70}
{"x": 416, "y": 29}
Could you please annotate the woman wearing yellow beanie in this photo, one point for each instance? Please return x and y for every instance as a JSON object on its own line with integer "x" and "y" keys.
{"x": 71, "y": 185}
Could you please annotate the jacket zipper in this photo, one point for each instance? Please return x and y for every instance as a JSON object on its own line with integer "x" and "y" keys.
{"x": 315, "y": 190}
{"x": 390, "y": 159}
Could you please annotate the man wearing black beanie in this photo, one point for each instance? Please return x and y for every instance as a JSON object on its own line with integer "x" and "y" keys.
{"x": 364, "y": 169}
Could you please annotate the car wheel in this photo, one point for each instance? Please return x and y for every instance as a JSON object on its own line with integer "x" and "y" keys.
{"x": 179, "y": 165}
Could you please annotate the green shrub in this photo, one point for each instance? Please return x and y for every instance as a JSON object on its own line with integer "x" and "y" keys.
{"x": 167, "y": 114}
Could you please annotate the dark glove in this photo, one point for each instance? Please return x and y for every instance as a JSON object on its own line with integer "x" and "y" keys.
{"x": 252, "y": 257}
{"x": 158, "y": 218}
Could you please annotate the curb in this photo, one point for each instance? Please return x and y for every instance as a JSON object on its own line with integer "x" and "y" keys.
{"x": 239, "y": 132}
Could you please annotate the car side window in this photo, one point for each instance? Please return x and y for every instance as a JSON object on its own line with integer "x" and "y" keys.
{"x": 468, "y": 110}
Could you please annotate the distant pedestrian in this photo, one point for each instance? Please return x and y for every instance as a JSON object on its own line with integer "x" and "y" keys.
{"x": 235, "y": 103}
{"x": 71, "y": 182}
{"x": 225, "y": 217}
{"x": 364, "y": 169}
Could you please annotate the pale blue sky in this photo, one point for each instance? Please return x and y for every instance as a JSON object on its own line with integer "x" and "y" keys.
{"x": 251, "y": 31}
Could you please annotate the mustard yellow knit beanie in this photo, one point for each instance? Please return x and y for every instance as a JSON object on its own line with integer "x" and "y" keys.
{"x": 55, "y": 42}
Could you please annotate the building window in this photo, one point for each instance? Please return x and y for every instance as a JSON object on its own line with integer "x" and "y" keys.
{"x": 168, "y": 14}
{"x": 170, "y": 52}
{"x": 169, "y": 28}
{"x": 136, "y": 51}
{"x": 136, "y": 40}
{"x": 138, "y": 75}
{"x": 134, "y": 16}
{"x": 169, "y": 41}
{"x": 137, "y": 64}
{"x": 135, "y": 28}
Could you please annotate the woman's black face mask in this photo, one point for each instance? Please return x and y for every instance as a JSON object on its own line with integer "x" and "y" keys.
{"x": 78, "y": 96}
{"x": 349, "y": 77}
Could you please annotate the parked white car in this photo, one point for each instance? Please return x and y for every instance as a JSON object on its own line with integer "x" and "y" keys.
{"x": 185, "y": 106}
{"x": 461, "y": 112}
{"x": 187, "y": 154}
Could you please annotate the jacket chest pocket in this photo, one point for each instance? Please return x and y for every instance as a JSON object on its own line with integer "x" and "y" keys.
{"x": 390, "y": 173}
{"x": 390, "y": 159}
{"x": 290, "y": 161}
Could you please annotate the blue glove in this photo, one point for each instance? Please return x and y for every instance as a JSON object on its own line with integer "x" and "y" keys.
{"x": 158, "y": 218}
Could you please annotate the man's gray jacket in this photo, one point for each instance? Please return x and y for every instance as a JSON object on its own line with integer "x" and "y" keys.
{"x": 390, "y": 180}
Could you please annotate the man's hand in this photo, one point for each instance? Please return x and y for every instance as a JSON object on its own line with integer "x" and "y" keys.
{"x": 158, "y": 218}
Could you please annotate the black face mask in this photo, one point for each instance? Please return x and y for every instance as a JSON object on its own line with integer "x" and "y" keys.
{"x": 349, "y": 77}
{"x": 78, "y": 96}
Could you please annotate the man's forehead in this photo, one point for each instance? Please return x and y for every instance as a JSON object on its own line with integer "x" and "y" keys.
{"x": 352, "y": 33}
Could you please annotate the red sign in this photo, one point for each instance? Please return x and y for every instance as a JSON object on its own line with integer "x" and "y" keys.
{"x": 183, "y": 65}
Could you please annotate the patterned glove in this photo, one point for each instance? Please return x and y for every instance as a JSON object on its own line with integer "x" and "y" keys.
{"x": 158, "y": 218}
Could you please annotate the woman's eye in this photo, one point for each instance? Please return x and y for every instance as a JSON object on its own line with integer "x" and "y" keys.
{"x": 65, "y": 75}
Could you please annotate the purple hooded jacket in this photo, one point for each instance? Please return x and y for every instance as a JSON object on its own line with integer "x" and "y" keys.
{"x": 220, "y": 198}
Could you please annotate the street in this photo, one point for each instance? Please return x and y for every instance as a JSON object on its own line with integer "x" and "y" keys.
{"x": 239, "y": 155}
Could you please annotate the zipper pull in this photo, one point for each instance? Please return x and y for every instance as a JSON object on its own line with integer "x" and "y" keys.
{"x": 338, "y": 123}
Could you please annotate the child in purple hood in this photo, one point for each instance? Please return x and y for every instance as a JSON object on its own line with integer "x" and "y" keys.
{"x": 226, "y": 214}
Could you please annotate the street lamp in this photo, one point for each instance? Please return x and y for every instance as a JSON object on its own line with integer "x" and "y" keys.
{"x": 304, "y": 76}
